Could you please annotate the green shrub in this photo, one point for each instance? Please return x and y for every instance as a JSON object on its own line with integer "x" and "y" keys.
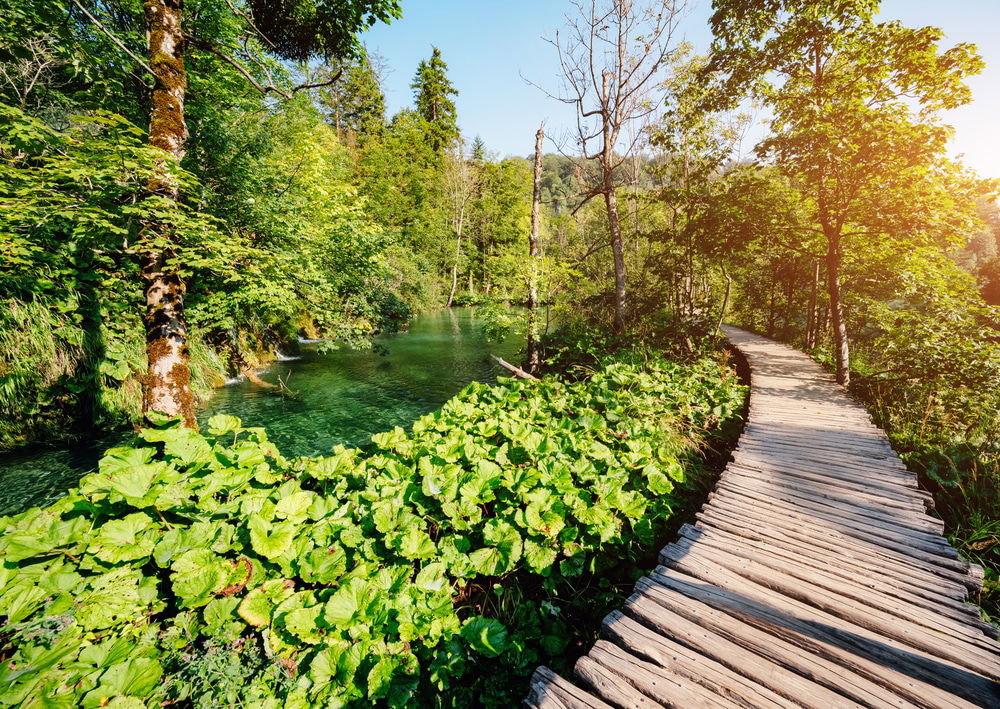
{"x": 208, "y": 569}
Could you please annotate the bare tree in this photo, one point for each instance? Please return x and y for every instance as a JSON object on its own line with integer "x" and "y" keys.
{"x": 32, "y": 72}
{"x": 534, "y": 254}
{"x": 609, "y": 57}
{"x": 459, "y": 183}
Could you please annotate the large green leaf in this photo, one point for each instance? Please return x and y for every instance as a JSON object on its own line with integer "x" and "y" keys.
{"x": 487, "y": 636}
{"x": 271, "y": 540}
{"x": 125, "y": 539}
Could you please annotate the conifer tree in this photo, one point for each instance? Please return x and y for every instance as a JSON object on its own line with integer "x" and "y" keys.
{"x": 354, "y": 103}
{"x": 431, "y": 91}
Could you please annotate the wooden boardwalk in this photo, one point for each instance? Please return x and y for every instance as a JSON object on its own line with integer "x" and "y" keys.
{"x": 814, "y": 577}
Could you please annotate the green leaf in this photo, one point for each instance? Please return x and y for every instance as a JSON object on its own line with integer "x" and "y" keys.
{"x": 197, "y": 575}
{"x": 270, "y": 541}
{"x": 540, "y": 556}
{"x": 126, "y": 539}
{"x": 295, "y": 507}
{"x": 302, "y": 623}
{"x": 323, "y": 565}
{"x": 257, "y": 606}
{"x": 346, "y": 602}
{"x": 485, "y": 635}
{"x": 431, "y": 577}
{"x": 416, "y": 544}
{"x": 221, "y": 424}
{"x": 380, "y": 676}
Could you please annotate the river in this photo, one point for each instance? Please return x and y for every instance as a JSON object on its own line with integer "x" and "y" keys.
{"x": 340, "y": 397}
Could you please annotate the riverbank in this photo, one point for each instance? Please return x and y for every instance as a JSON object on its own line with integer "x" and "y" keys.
{"x": 339, "y": 397}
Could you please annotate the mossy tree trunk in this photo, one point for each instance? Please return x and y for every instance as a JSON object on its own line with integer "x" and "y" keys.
{"x": 167, "y": 387}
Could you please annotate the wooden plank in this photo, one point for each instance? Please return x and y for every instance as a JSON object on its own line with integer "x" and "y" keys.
{"x": 781, "y": 614}
{"x": 853, "y": 459}
{"x": 786, "y": 667}
{"x": 861, "y": 521}
{"x": 735, "y": 670}
{"x": 899, "y": 521}
{"x": 838, "y": 475}
{"x": 849, "y": 560}
{"x": 612, "y": 686}
{"x": 549, "y": 690}
{"x": 842, "y": 489}
{"x": 685, "y": 556}
{"x": 872, "y": 476}
{"x": 660, "y": 684}
{"x": 836, "y": 659}
{"x": 823, "y": 535}
{"x": 814, "y": 433}
{"x": 854, "y": 592}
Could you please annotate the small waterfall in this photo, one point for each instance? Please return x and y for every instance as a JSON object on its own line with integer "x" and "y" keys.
{"x": 281, "y": 357}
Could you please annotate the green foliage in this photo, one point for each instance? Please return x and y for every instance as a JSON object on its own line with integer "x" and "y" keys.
{"x": 300, "y": 29}
{"x": 355, "y": 104}
{"x": 431, "y": 92}
{"x": 208, "y": 569}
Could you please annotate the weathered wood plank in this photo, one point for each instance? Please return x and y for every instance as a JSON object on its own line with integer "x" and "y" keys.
{"x": 829, "y": 536}
{"x": 660, "y": 684}
{"x": 549, "y": 690}
{"x": 850, "y": 593}
{"x": 849, "y": 561}
{"x": 746, "y": 690}
{"x": 780, "y": 611}
{"x": 889, "y": 529}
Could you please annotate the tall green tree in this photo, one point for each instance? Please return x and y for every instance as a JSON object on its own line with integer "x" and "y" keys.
{"x": 296, "y": 30}
{"x": 432, "y": 92}
{"x": 855, "y": 106}
{"x": 354, "y": 102}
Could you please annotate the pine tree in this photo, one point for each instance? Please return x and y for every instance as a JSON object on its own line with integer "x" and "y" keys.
{"x": 355, "y": 103}
{"x": 431, "y": 90}
{"x": 478, "y": 151}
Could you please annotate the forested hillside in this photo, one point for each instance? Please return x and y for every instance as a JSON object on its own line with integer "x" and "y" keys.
{"x": 188, "y": 189}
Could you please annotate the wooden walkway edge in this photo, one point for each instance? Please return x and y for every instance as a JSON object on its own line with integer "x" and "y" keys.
{"x": 814, "y": 577}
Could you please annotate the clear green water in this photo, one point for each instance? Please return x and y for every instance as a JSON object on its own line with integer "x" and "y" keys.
{"x": 340, "y": 397}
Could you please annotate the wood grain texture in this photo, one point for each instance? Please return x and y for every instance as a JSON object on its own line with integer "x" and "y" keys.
{"x": 815, "y": 576}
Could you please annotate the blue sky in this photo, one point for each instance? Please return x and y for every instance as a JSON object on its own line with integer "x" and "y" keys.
{"x": 489, "y": 44}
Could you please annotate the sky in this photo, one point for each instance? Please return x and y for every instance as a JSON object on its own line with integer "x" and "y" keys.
{"x": 492, "y": 47}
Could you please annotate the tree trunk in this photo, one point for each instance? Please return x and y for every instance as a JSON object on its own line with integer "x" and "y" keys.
{"x": 167, "y": 387}
{"x": 725, "y": 297}
{"x": 611, "y": 202}
{"x": 471, "y": 290}
{"x": 454, "y": 267}
{"x": 840, "y": 347}
{"x": 531, "y": 363}
{"x": 771, "y": 314}
{"x": 812, "y": 322}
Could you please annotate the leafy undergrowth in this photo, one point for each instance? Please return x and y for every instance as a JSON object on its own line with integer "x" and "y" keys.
{"x": 433, "y": 568}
